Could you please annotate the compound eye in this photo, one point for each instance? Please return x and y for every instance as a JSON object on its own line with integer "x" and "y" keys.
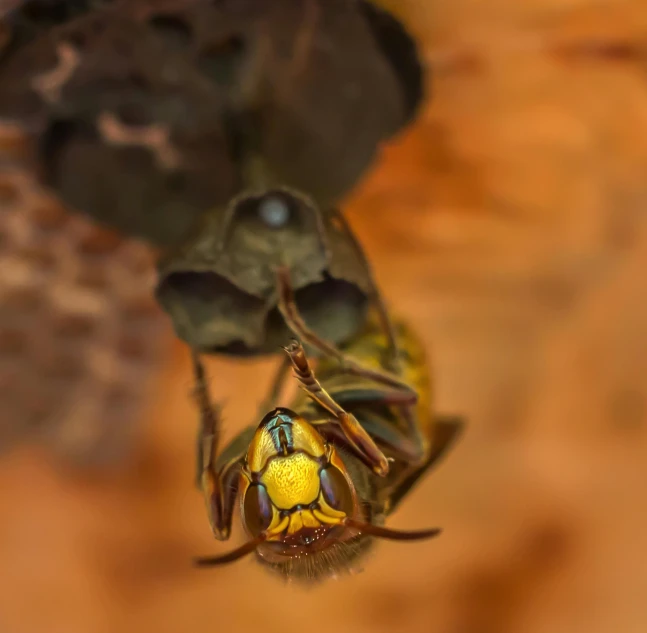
{"x": 336, "y": 489}
{"x": 257, "y": 509}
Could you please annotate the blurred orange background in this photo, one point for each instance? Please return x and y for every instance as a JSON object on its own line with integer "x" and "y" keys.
{"x": 508, "y": 224}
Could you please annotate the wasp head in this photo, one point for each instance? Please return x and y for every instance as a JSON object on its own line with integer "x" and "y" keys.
{"x": 295, "y": 488}
{"x": 299, "y": 504}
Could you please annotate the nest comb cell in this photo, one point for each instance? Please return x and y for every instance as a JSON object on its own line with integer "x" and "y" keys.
{"x": 143, "y": 114}
{"x": 80, "y": 336}
{"x": 129, "y": 108}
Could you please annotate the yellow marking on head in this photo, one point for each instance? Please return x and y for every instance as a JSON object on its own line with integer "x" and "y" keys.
{"x": 306, "y": 438}
{"x": 309, "y": 519}
{"x": 274, "y": 531}
{"x": 296, "y": 522}
{"x": 326, "y": 514}
{"x": 323, "y": 518}
{"x": 261, "y": 449}
{"x": 301, "y": 519}
{"x": 292, "y": 480}
{"x": 329, "y": 510}
{"x": 295, "y": 431}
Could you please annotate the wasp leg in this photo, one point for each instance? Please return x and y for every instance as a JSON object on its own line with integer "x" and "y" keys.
{"x": 267, "y": 403}
{"x": 359, "y": 439}
{"x": 385, "y": 435}
{"x": 209, "y": 425}
{"x": 288, "y": 308}
{"x": 447, "y": 431}
{"x": 218, "y": 477}
{"x": 330, "y": 430}
{"x": 399, "y": 444}
{"x": 409, "y": 446}
{"x": 376, "y": 295}
{"x": 363, "y": 394}
{"x": 351, "y": 394}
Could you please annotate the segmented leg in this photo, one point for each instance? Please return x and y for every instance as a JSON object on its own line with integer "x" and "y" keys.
{"x": 351, "y": 394}
{"x": 399, "y": 444}
{"x": 376, "y": 296}
{"x": 446, "y": 432}
{"x": 409, "y": 447}
{"x": 209, "y": 426}
{"x": 268, "y": 403}
{"x": 396, "y": 442}
{"x": 218, "y": 481}
{"x": 288, "y": 308}
{"x": 359, "y": 439}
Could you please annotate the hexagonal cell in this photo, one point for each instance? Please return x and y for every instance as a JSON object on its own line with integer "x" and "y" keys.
{"x": 201, "y": 108}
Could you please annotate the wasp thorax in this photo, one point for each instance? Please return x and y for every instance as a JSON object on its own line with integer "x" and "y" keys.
{"x": 295, "y": 486}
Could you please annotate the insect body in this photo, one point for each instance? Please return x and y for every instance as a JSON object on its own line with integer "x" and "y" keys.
{"x": 273, "y": 265}
{"x": 315, "y": 482}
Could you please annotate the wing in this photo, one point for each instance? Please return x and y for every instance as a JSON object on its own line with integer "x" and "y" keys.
{"x": 446, "y": 432}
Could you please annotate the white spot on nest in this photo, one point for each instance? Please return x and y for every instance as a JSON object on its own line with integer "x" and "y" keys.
{"x": 274, "y": 212}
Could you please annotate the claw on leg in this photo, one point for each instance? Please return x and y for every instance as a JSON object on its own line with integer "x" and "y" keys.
{"x": 353, "y": 430}
{"x": 218, "y": 485}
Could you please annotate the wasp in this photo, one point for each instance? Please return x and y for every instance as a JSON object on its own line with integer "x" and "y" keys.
{"x": 315, "y": 482}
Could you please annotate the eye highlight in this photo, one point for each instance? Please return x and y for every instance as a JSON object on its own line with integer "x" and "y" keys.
{"x": 336, "y": 490}
{"x": 257, "y": 509}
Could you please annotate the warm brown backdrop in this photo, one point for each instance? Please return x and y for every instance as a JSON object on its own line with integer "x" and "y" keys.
{"x": 509, "y": 225}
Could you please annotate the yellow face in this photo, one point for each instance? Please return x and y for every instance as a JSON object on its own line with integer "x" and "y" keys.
{"x": 295, "y": 487}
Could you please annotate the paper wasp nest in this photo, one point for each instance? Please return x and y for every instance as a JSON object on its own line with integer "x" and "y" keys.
{"x": 220, "y": 287}
{"x": 79, "y": 333}
{"x": 145, "y": 113}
